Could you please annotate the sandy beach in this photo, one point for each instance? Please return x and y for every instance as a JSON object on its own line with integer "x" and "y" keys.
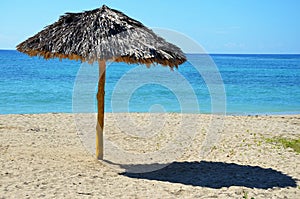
{"x": 44, "y": 156}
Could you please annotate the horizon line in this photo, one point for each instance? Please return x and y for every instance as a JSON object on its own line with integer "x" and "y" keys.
{"x": 219, "y": 53}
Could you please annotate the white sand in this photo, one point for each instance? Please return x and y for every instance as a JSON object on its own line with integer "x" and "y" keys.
{"x": 42, "y": 156}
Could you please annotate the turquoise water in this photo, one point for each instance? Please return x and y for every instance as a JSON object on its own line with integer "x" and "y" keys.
{"x": 254, "y": 84}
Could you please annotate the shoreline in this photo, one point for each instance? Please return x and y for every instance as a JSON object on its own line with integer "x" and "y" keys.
{"x": 43, "y": 155}
{"x": 222, "y": 114}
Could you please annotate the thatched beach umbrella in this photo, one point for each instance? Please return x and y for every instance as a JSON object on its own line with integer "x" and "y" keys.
{"x": 100, "y": 35}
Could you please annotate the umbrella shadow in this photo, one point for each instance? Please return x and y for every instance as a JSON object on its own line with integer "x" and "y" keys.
{"x": 218, "y": 175}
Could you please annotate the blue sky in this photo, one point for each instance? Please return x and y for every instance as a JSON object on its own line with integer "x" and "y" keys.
{"x": 219, "y": 26}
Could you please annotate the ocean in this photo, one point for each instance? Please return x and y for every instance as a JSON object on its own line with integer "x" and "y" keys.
{"x": 217, "y": 83}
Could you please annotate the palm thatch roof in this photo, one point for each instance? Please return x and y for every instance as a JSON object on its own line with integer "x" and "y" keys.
{"x": 102, "y": 34}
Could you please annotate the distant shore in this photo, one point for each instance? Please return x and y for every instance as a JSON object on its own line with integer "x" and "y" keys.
{"x": 43, "y": 155}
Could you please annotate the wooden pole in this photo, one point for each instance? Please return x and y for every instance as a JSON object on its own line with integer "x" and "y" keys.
{"x": 100, "y": 117}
